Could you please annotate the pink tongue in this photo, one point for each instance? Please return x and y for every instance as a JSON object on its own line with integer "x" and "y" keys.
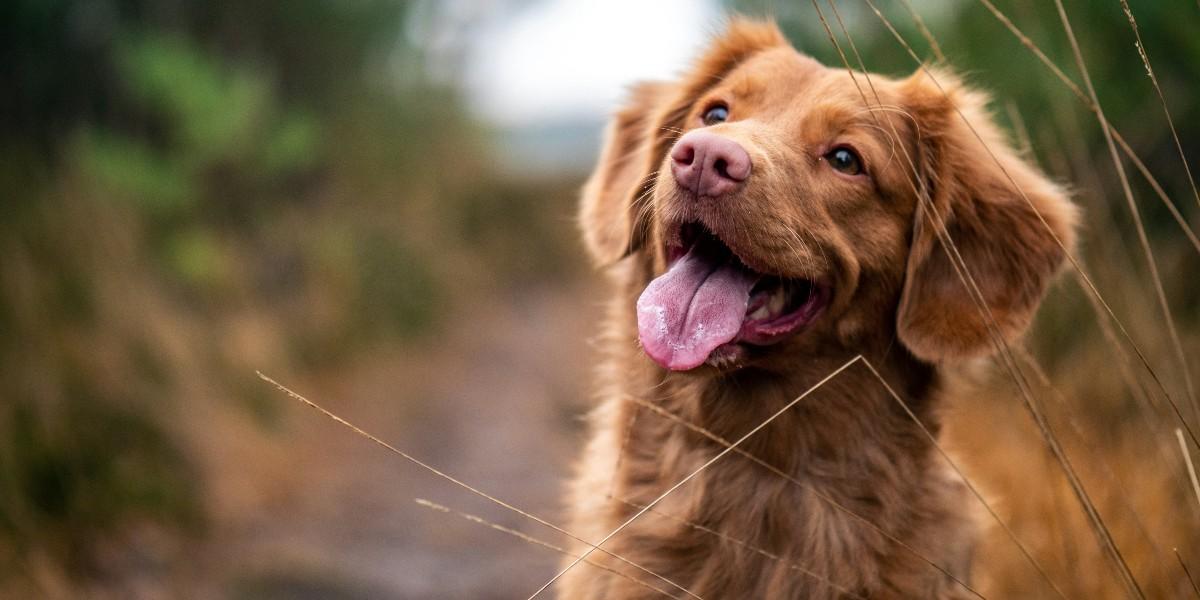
{"x": 693, "y": 308}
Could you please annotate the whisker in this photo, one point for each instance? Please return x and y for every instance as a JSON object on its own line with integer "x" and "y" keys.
{"x": 891, "y": 140}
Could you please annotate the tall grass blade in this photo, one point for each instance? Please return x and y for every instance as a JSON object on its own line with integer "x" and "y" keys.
{"x": 699, "y": 470}
{"x": 460, "y": 484}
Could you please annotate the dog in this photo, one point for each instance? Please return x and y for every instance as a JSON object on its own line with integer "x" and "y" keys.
{"x": 764, "y": 220}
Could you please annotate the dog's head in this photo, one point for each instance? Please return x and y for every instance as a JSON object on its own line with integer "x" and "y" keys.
{"x": 777, "y": 205}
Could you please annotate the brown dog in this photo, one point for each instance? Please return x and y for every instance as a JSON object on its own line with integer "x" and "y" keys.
{"x": 766, "y": 219}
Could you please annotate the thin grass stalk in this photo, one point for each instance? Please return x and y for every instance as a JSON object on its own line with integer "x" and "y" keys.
{"x": 1151, "y": 264}
{"x": 1087, "y": 103}
{"x": 666, "y": 414}
{"x": 1187, "y": 573}
{"x": 1187, "y": 459}
{"x": 459, "y": 483}
{"x": 1075, "y": 264}
{"x": 693, "y": 474}
{"x": 956, "y": 261}
{"x": 1025, "y": 145}
{"x": 1097, "y": 522}
{"x": 728, "y": 538}
{"x": 1114, "y": 480}
{"x": 925, "y": 32}
{"x": 1141, "y": 48}
{"x": 532, "y": 540}
{"x": 1083, "y": 168}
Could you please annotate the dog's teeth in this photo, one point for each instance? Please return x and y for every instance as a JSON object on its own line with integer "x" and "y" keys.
{"x": 760, "y": 313}
{"x": 775, "y": 304}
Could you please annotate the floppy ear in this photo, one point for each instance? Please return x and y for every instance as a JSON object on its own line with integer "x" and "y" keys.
{"x": 614, "y": 212}
{"x": 607, "y": 211}
{"x": 1005, "y": 246}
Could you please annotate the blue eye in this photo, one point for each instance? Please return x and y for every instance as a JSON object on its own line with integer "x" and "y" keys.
{"x": 716, "y": 114}
{"x": 845, "y": 160}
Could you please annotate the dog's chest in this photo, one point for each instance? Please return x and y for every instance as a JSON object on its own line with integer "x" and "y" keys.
{"x": 821, "y": 529}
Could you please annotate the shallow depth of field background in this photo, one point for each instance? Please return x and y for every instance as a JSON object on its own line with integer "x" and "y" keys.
{"x": 372, "y": 202}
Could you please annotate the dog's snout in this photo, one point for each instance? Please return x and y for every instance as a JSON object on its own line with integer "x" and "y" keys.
{"x": 708, "y": 164}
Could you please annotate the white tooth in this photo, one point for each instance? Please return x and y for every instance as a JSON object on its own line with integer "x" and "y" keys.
{"x": 778, "y": 299}
{"x": 760, "y": 313}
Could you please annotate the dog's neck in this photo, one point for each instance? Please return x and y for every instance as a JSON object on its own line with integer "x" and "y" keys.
{"x": 829, "y": 426}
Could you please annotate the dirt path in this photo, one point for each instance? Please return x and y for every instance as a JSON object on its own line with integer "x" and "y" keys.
{"x": 495, "y": 402}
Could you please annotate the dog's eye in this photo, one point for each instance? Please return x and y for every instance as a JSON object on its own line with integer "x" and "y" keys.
{"x": 845, "y": 160}
{"x": 716, "y": 114}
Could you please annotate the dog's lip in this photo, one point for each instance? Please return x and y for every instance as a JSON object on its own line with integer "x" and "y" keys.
{"x": 776, "y": 327}
{"x": 680, "y": 237}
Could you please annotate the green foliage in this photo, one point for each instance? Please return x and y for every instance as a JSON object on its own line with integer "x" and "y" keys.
{"x": 196, "y": 258}
{"x": 215, "y": 113}
{"x": 75, "y": 475}
{"x": 127, "y": 168}
{"x": 291, "y": 146}
{"x": 212, "y": 116}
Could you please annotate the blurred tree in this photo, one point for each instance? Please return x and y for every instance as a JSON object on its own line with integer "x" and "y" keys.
{"x": 168, "y": 168}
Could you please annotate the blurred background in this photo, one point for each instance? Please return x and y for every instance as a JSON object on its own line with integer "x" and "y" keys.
{"x": 372, "y": 201}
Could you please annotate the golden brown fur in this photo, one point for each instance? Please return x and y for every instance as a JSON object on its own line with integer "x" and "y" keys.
{"x": 897, "y": 301}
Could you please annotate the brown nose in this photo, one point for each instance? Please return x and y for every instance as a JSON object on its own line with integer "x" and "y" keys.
{"x": 708, "y": 164}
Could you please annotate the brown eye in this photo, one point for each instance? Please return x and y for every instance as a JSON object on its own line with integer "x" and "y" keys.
{"x": 716, "y": 114}
{"x": 845, "y": 160}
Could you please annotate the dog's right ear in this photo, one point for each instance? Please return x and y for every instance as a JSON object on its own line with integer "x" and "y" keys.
{"x": 608, "y": 212}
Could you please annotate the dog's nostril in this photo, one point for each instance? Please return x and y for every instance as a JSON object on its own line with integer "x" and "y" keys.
{"x": 722, "y": 168}
{"x": 684, "y": 155}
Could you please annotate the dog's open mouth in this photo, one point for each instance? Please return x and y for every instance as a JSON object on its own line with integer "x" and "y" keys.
{"x": 709, "y": 301}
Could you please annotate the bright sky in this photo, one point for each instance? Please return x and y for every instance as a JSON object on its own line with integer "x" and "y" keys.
{"x": 573, "y": 59}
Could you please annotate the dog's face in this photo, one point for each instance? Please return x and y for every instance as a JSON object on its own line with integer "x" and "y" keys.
{"x": 780, "y": 205}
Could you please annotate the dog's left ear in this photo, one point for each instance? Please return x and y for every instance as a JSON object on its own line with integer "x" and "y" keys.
{"x": 607, "y": 211}
{"x": 1006, "y": 248}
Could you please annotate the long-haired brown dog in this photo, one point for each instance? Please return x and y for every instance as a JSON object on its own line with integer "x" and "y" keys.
{"x": 765, "y": 219}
